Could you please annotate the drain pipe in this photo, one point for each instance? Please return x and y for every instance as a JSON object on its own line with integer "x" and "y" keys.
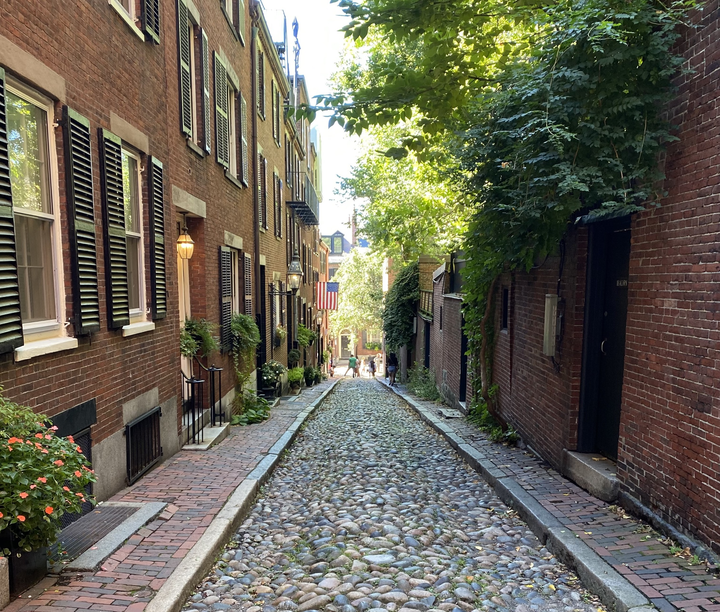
{"x": 256, "y": 174}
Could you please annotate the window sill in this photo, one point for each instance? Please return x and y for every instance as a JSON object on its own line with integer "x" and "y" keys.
{"x": 44, "y": 347}
{"x": 126, "y": 18}
{"x": 231, "y": 24}
{"x": 195, "y": 148}
{"x": 233, "y": 179}
{"x": 137, "y": 328}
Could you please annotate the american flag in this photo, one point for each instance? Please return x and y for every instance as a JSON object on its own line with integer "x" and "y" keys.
{"x": 327, "y": 296}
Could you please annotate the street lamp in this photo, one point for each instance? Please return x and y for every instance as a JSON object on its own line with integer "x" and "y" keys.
{"x": 185, "y": 244}
{"x": 294, "y": 273}
{"x": 320, "y": 315}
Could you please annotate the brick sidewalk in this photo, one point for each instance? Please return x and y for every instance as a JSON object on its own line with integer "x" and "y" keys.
{"x": 195, "y": 485}
{"x": 629, "y": 545}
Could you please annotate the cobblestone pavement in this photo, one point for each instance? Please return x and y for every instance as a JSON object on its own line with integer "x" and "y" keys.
{"x": 195, "y": 485}
{"x": 371, "y": 510}
{"x": 666, "y": 575}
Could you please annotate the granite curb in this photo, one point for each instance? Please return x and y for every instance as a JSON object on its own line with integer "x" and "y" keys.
{"x": 615, "y": 591}
{"x": 199, "y": 560}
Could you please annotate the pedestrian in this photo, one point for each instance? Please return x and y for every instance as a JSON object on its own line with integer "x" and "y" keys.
{"x": 392, "y": 366}
{"x": 372, "y": 367}
{"x": 352, "y": 365}
{"x": 331, "y": 367}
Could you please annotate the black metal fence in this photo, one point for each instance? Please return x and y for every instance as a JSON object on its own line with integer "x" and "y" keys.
{"x": 142, "y": 442}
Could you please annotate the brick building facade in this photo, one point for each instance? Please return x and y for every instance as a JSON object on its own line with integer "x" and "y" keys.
{"x": 114, "y": 138}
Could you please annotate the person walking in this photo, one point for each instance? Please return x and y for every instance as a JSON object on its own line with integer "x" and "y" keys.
{"x": 392, "y": 366}
{"x": 352, "y": 365}
{"x": 372, "y": 367}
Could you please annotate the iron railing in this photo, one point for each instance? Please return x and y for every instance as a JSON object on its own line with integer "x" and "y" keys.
{"x": 142, "y": 444}
{"x": 426, "y": 304}
{"x": 194, "y": 396}
{"x": 305, "y": 201}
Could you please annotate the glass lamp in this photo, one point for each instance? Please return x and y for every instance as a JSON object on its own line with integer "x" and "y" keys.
{"x": 185, "y": 244}
{"x": 294, "y": 273}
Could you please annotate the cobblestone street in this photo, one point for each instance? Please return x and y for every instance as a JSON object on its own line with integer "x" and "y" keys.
{"x": 372, "y": 510}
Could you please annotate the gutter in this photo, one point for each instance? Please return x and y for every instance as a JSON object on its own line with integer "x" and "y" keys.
{"x": 256, "y": 202}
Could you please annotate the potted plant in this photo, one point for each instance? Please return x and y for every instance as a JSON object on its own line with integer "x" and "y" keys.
{"x": 293, "y": 357}
{"x": 295, "y": 377}
{"x": 42, "y": 477}
{"x": 309, "y": 375}
{"x": 270, "y": 374}
{"x": 280, "y": 335}
{"x": 305, "y": 336}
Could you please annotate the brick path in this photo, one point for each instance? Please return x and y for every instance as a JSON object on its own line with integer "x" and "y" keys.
{"x": 635, "y": 550}
{"x": 195, "y": 485}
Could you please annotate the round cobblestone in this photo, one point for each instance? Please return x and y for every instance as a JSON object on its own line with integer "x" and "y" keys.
{"x": 371, "y": 510}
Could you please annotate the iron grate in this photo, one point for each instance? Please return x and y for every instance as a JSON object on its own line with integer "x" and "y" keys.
{"x": 89, "y": 530}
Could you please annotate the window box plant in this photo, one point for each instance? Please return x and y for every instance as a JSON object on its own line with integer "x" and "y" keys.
{"x": 280, "y": 335}
{"x": 305, "y": 336}
{"x": 42, "y": 477}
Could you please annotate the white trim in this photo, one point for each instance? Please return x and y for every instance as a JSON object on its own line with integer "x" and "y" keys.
{"x": 120, "y": 9}
{"x": 44, "y": 347}
{"x": 139, "y": 235}
{"x": 137, "y": 328}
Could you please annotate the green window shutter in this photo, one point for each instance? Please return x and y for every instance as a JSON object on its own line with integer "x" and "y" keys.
{"x": 184, "y": 57}
{"x": 274, "y": 116}
{"x": 244, "y": 148}
{"x": 158, "y": 276}
{"x": 247, "y": 273}
{"x": 81, "y": 221}
{"x": 222, "y": 145}
{"x": 225, "y": 298}
{"x": 264, "y": 193}
{"x": 206, "y": 89}
{"x": 116, "y": 282}
{"x": 11, "y": 334}
{"x": 151, "y": 20}
{"x": 260, "y": 83}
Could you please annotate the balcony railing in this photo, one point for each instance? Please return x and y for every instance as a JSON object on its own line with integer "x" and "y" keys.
{"x": 426, "y": 304}
{"x": 305, "y": 201}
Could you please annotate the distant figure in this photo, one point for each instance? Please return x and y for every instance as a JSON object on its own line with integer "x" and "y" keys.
{"x": 372, "y": 367}
{"x": 352, "y": 365}
{"x": 331, "y": 367}
{"x": 392, "y": 366}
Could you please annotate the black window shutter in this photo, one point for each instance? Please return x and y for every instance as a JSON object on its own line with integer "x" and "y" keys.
{"x": 184, "y": 59}
{"x": 158, "y": 279}
{"x": 248, "y": 285}
{"x": 81, "y": 221}
{"x": 206, "y": 89}
{"x": 274, "y": 109}
{"x": 11, "y": 334}
{"x": 264, "y": 193}
{"x": 261, "y": 83}
{"x": 225, "y": 298}
{"x": 222, "y": 145}
{"x": 116, "y": 282}
{"x": 151, "y": 20}
{"x": 245, "y": 162}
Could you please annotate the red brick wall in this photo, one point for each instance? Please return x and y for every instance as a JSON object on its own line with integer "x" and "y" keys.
{"x": 537, "y": 399}
{"x": 107, "y": 68}
{"x": 670, "y": 427}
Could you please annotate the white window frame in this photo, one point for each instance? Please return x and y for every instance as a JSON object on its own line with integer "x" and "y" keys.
{"x": 230, "y": 10}
{"x": 140, "y": 313}
{"x": 232, "y": 130}
{"x": 39, "y": 330}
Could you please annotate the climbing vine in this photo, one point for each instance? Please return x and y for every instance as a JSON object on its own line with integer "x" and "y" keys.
{"x": 400, "y": 303}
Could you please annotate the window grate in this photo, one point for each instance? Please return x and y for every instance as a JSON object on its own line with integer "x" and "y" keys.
{"x": 142, "y": 442}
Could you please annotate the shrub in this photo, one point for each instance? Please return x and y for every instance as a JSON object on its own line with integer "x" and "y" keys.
{"x": 251, "y": 409}
{"x": 270, "y": 373}
{"x": 481, "y": 417}
{"x": 309, "y": 374}
{"x": 293, "y": 357}
{"x": 295, "y": 376}
{"x": 42, "y": 476}
{"x": 421, "y": 382}
{"x": 244, "y": 338}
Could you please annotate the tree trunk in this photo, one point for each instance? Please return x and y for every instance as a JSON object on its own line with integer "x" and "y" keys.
{"x": 484, "y": 375}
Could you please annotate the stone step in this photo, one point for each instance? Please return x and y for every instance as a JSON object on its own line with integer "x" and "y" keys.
{"x": 210, "y": 436}
{"x": 594, "y": 473}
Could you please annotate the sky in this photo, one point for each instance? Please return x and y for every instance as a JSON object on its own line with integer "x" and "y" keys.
{"x": 321, "y": 47}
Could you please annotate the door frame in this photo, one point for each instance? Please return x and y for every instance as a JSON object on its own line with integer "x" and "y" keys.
{"x": 593, "y": 329}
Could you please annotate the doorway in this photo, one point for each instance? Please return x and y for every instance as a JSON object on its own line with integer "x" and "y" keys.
{"x": 345, "y": 349}
{"x": 427, "y": 345}
{"x": 603, "y": 363}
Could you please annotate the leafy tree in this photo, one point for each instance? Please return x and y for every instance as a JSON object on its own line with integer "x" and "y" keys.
{"x": 360, "y": 295}
{"x": 400, "y": 304}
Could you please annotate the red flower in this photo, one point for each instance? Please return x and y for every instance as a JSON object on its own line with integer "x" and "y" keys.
{"x": 42, "y": 479}
{"x": 21, "y": 518}
{"x": 33, "y": 486}
{"x": 23, "y": 495}
{"x": 1, "y": 515}
{"x": 58, "y": 462}
{"x": 78, "y": 473}
{"x": 48, "y": 437}
{"x": 49, "y": 510}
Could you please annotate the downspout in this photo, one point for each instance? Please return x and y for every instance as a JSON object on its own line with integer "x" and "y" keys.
{"x": 256, "y": 174}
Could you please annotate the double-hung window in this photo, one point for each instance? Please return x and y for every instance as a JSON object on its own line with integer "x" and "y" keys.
{"x": 133, "y": 234}
{"x": 32, "y": 168}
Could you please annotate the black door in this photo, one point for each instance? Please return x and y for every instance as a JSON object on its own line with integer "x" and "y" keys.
{"x": 427, "y": 344}
{"x": 604, "y": 342}
{"x": 262, "y": 320}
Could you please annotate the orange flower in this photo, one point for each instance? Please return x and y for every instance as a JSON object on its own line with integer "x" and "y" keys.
{"x": 58, "y": 462}
{"x": 44, "y": 451}
{"x": 49, "y": 510}
{"x": 71, "y": 439}
{"x": 66, "y": 489}
{"x": 23, "y": 495}
{"x": 1, "y": 515}
{"x": 79, "y": 494}
{"x": 78, "y": 449}
{"x": 38, "y": 435}
{"x": 42, "y": 479}
{"x": 78, "y": 473}
{"x": 21, "y": 518}
{"x": 53, "y": 428}
{"x": 48, "y": 437}
{"x": 33, "y": 486}
{"x": 14, "y": 439}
